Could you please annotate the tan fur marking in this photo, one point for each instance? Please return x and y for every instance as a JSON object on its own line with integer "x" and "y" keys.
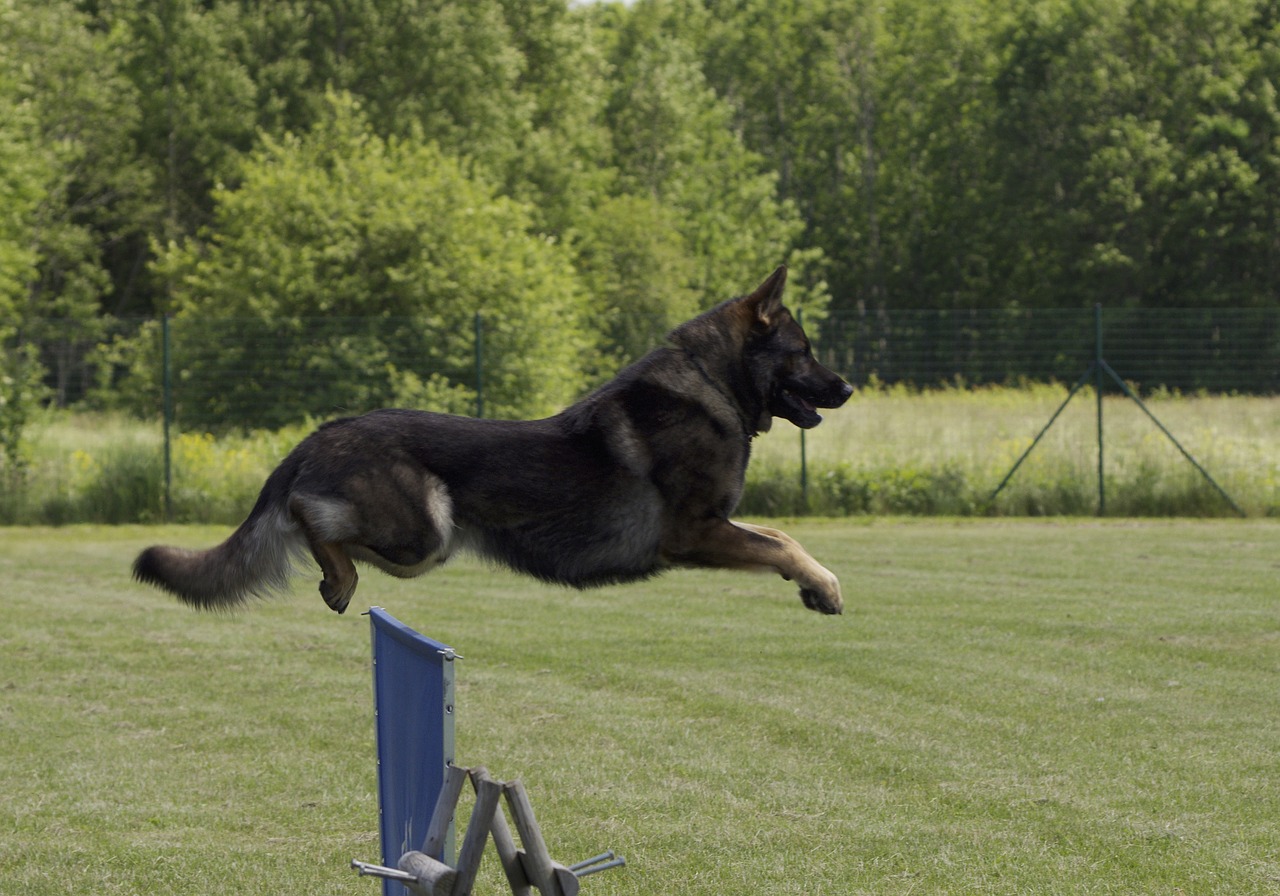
{"x": 731, "y": 545}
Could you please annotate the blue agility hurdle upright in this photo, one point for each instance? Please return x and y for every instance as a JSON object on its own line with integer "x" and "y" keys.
{"x": 419, "y": 785}
{"x": 413, "y": 692}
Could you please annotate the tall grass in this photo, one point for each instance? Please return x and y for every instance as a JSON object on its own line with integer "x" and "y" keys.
{"x": 86, "y": 468}
{"x": 896, "y": 451}
{"x": 95, "y": 468}
{"x": 888, "y": 451}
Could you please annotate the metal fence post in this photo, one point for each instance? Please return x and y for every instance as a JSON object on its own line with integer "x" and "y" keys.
{"x": 479, "y": 331}
{"x": 804, "y": 458}
{"x": 1099, "y": 368}
{"x": 167, "y": 381}
{"x": 1097, "y": 386}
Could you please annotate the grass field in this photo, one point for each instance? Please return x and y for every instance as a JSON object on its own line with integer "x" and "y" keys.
{"x": 1007, "y": 707}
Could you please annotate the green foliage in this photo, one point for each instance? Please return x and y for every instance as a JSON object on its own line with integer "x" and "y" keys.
{"x": 96, "y": 188}
{"x": 663, "y": 154}
{"x": 397, "y": 244}
{"x": 26, "y": 176}
{"x": 1133, "y": 128}
{"x": 214, "y": 480}
{"x": 637, "y": 272}
{"x": 20, "y": 393}
{"x": 23, "y": 185}
{"x": 195, "y": 101}
{"x": 1045, "y": 154}
{"x": 674, "y": 142}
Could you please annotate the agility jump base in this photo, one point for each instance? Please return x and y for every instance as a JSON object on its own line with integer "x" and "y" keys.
{"x": 419, "y": 785}
{"x": 524, "y": 868}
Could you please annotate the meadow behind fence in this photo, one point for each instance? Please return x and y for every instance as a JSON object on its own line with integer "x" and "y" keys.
{"x": 152, "y": 419}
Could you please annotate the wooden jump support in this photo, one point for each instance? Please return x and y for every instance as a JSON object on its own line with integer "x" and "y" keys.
{"x": 529, "y": 867}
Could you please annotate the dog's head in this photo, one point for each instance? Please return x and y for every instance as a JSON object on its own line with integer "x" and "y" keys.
{"x": 780, "y": 360}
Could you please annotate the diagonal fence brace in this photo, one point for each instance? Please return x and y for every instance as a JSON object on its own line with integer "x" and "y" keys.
{"x": 1097, "y": 369}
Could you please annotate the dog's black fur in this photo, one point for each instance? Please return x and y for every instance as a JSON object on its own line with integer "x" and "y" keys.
{"x": 639, "y": 476}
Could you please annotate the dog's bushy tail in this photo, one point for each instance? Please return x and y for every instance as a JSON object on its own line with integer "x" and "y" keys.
{"x": 257, "y": 559}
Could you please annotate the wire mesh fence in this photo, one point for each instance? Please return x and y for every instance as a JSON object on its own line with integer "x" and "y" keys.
{"x": 252, "y": 374}
{"x": 1229, "y": 350}
{"x": 244, "y": 374}
{"x": 236, "y": 377}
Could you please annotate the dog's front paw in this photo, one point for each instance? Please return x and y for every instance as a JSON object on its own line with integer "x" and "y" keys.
{"x": 822, "y": 603}
{"x": 823, "y": 597}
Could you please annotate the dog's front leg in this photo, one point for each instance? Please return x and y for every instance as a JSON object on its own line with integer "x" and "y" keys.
{"x": 726, "y": 544}
{"x": 819, "y": 587}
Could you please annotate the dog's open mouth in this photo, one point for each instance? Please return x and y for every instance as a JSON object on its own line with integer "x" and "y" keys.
{"x": 796, "y": 408}
{"x": 798, "y": 401}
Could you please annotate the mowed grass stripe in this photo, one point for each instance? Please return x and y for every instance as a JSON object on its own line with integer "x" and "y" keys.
{"x": 1006, "y": 707}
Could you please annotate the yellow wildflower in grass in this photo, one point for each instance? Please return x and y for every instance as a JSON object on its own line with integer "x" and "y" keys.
{"x": 218, "y": 479}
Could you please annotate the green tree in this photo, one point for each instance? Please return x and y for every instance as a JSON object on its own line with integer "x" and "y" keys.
{"x": 460, "y": 72}
{"x": 195, "y": 100}
{"x": 1219, "y": 247}
{"x": 638, "y": 272}
{"x": 25, "y": 176}
{"x": 1137, "y": 162}
{"x": 873, "y": 116}
{"x": 394, "y": 241}
{"x": 516, "y": 86}
{"x": 563, "y": 163}
{"x": 65, "y": 75}
{"x": 1259, "y": 108}
{"x": 675, "y": 144}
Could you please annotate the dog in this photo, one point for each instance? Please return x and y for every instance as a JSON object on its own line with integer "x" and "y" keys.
{"x": 638, "y": 477}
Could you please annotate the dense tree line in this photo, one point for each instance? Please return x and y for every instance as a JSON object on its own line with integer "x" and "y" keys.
{"x": 270, "y": 160}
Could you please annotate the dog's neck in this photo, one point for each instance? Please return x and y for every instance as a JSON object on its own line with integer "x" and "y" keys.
{"x": 750, "y": 427}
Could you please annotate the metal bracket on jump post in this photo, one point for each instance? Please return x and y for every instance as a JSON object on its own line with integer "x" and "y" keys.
{"x": 529, "y": 867}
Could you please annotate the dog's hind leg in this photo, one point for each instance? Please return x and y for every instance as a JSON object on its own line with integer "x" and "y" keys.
{"x": 316, "y": 517}
{"x": 406, "y": 526}
{"x": 340, "y": 577}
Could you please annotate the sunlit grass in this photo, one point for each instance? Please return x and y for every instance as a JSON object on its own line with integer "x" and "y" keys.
{"x": 110, "y": 468}
{"x": 1007, "y": 707}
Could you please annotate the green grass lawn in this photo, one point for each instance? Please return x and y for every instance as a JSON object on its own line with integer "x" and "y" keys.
{"x": 1006, "y": 707}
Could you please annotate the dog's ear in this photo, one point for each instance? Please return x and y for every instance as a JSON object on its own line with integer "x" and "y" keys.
{"x": 767, "y": 299}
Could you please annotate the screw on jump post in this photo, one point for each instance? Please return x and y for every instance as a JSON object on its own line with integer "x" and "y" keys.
{"x": 368, "y": 869}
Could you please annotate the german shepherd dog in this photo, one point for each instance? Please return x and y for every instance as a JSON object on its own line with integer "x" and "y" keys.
{"x": 639, "y": 476}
